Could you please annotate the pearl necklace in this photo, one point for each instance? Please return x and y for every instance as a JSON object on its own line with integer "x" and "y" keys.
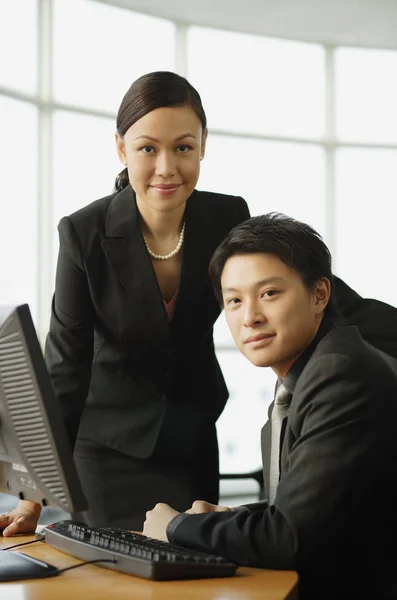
{"x": 171, "y": 254}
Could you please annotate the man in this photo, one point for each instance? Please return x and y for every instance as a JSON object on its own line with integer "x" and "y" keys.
{"x": 330, "y": 464}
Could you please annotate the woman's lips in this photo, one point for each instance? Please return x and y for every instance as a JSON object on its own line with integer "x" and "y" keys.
{"x": 166, "y": 189}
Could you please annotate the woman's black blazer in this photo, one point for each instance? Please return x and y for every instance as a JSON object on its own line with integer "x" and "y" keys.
{"x": 114, "y": 359}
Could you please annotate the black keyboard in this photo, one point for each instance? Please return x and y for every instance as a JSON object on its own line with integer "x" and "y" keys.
{"x": 135, "y": 553}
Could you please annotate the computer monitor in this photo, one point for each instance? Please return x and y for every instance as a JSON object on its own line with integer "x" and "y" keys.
{"x": 35, "y": 456}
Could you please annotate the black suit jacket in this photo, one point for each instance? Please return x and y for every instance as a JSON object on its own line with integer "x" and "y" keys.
{"x": 116, "y": 363}
{"x": 334, "y": 515}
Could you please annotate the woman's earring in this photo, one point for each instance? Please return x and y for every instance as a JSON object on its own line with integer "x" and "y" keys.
{"x": 125, "y": 162}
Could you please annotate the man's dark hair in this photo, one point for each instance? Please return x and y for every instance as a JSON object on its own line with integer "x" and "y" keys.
{"x": 295, "y": 243}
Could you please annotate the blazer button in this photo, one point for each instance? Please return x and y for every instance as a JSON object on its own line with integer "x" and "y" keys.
{"x": 161, "y": 397}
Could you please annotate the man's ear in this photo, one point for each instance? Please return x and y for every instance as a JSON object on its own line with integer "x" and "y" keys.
{"x": 322, "y": 293}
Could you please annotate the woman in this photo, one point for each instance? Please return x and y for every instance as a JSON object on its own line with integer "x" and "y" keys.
{"x": 130, "y": 348}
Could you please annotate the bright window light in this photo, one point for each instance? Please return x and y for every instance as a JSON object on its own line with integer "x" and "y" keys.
{"x": 272, "y": 176}
{"x": 366, "y": 95}
{"x": 19, "y": 205}
{"x": 18, "y": 45}
{"x": 366, "y": 187}
{"x": 100, "y": 50}
{"x": 254, "y": 84}
{"x": 85, "y": 163}
{"x": 251, "y": 390}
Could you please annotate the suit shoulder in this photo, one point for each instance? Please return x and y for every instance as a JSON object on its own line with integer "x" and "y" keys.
{"x": 225, "y": 206}
{"x": 217, "y": 199}
{"x": 217, "y": 196}
{"x": 346, "y": 378}
{"x": 348, "y": 341}
{"x": 343, "y": 352}
{"x": 89, "y": 213}
{"x": 88, "y": 218}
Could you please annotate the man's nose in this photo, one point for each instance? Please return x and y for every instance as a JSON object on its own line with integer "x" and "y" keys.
{"x": 253, "y": 313}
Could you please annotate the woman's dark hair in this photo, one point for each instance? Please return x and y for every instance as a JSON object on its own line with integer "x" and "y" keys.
{"x": 151, "y": 91}
{"x": 296, "y": 244}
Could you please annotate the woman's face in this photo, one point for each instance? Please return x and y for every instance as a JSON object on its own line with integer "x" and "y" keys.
{"x": 162, "y": 152}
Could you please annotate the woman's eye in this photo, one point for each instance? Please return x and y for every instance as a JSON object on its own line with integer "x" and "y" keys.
{"x": 147, "y": 149}
{"x": 233, "y": 301}
{"x": 183, "y": 148}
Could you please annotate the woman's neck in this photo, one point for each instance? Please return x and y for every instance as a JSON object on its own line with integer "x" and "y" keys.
{"x": 161, "y": 225}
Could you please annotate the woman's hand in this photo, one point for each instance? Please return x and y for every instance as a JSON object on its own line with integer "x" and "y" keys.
{"x": 20, "y": 520}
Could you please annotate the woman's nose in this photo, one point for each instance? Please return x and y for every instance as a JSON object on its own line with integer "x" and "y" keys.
{"x": 165, "y": 165}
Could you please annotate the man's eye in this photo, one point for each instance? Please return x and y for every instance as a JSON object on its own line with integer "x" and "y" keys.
{"x": 270, "y": 293}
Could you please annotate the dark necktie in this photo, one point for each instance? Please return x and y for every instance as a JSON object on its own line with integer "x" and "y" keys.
{"x": 280, "y": 410}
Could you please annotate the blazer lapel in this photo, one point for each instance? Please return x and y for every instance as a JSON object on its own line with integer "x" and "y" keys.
{"x": 126, "y": 251}
{"x": 199, "y": 243}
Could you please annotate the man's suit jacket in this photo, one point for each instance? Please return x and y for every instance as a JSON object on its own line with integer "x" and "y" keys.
{"x": 115, "y": 361}
{"x": 334, "y": 515}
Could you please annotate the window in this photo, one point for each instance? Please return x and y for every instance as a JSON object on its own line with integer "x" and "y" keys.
{"x": 85, "y": 163}
{"x": 18, "y": 45}
{"x": 258, "y": 85}
{"x": 366, "y": 95}
{"x": 250, "y": 393}
{"x": 272, "y": 176}
{"x": 100, "y": 50}
{"x": 19, "y": 221}
{"x": 85, "y": 160}
{"x": 366, "y": 230}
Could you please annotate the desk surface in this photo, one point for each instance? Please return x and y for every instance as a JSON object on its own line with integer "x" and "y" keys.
{"x": 92, "y": 582}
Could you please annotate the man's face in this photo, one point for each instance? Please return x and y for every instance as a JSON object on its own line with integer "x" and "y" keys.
{"x": 271, "y": 314}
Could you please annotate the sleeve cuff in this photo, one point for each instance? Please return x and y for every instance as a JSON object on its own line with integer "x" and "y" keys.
{"x": 173, "y": 524}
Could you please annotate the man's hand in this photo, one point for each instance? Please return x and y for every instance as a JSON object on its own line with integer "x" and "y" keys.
{"x": 200, "y": 506}
{"x": 157, "y": 521}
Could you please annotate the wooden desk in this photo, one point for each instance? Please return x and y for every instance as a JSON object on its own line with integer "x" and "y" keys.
{"x": 92, "y": 582}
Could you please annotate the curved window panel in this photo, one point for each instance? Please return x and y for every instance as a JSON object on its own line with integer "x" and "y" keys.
{"x": 18, "y": 44}
{"x": 254, "y": 84}
{"x": 366, "y": 95}
{"x": 366, "y": 228}
{"x": 19, "y": 204}
{"x": 100, "y": 50}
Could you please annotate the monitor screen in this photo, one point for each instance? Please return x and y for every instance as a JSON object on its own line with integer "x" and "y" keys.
{"x": 35, "y": 456}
